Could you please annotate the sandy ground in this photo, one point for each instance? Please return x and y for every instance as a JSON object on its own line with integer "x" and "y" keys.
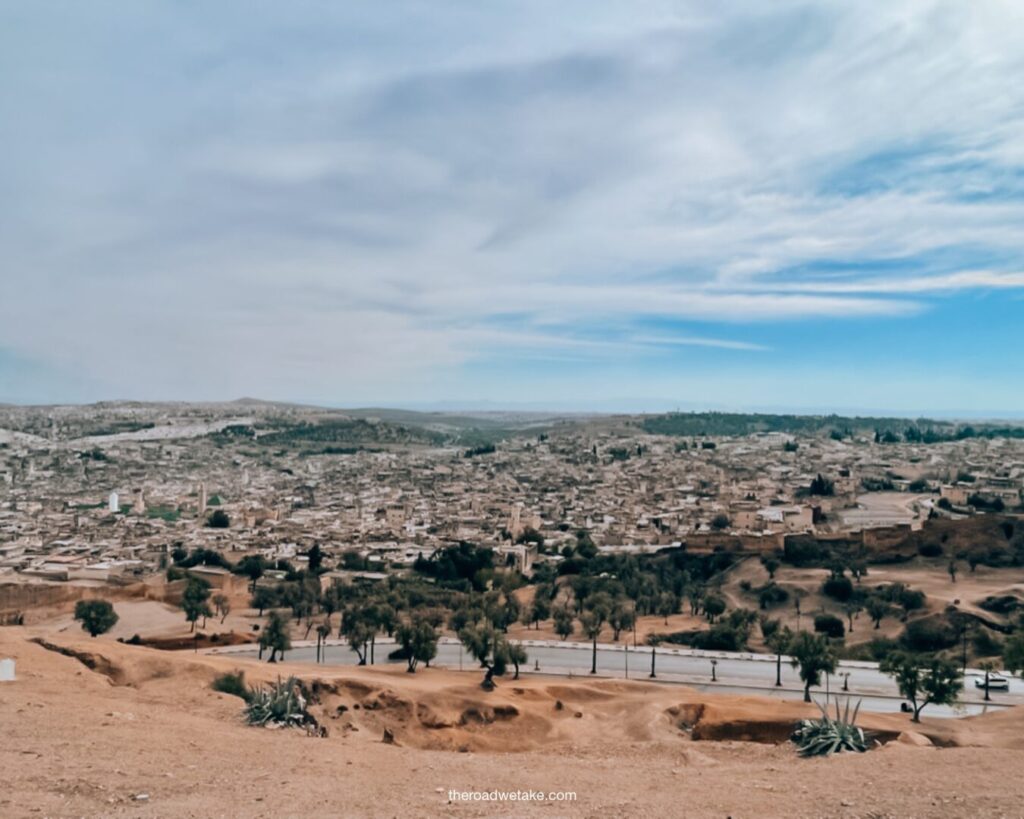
{"x": 144, "y": 735}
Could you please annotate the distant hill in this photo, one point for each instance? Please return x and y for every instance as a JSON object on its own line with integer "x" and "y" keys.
{"x": 923, "y": 430}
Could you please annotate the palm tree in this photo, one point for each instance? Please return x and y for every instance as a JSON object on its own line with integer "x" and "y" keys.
{"x": 814, "y": 655}
{"x": 323, "y": 631}
{"x": 592, "y": 623}
{"x": 779, "y": 642}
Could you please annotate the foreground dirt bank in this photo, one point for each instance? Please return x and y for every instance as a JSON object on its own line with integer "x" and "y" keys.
{"x": 110, "y": 730}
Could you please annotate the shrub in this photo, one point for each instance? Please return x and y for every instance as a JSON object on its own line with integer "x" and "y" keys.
{"x": 771, "y": 595}
{"x": 882, "y": 647}
{"x": 985, "y": 645}
{"x": 722, "y": 637}
{"x": 911, "y": 599}
{"x": 232, "y": 683}
{"x": 838, "y": 588}
{"x": 929, "y": 550}
{"x": 929, "y": 635}
{"x": 1004, "y": 604}
{"x": 830, "y": 625}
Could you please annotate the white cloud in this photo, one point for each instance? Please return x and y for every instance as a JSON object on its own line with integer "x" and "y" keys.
{"x": 376, "y": 198}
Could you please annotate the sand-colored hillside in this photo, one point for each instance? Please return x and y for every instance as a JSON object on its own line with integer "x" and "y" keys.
{"x": 88, "y": 733}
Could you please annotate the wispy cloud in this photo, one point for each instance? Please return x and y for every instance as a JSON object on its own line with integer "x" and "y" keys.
{"x": 685, "y": 341}
{"x": 943, "y": 283}
{"x": 360, "y": 198}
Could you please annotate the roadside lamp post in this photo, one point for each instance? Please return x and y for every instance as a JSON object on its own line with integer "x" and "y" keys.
{"x": 714, "y": 677}
{"x": 846, "y": 681}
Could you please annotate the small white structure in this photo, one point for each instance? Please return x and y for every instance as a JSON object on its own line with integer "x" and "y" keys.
{"x": 112, "y": 505}
{"x": 7, "y": 670}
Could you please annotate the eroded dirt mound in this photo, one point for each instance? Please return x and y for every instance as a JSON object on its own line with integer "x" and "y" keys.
{"x": 163, "y": 743}
{"x": 444, "y": 710}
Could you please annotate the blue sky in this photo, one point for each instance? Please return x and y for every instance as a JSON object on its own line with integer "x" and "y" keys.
{"x": 618, "y": 205}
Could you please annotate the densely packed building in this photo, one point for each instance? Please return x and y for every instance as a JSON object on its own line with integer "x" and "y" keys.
{"x": 94, "y": 493}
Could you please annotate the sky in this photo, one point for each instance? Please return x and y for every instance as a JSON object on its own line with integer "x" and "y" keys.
{"x": 576, "y": 205}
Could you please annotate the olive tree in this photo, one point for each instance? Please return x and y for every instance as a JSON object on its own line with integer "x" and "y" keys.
{"x": 923, "y": 680}
{"x": 96, "y": 616}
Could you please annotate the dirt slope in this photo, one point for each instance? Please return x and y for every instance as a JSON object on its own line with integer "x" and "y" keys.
{"x": 88, "y": 730}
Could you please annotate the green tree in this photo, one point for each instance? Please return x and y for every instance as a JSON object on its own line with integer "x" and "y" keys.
{"x": 877, "y": 609}
{"x": 563, "y": 622}
{"x": 713, "y": 607}
{"x": 517, "y": 656}
{"x": 771, "y": 566}
{"x": 96, "y": 616}
{"x": 923, "y": 680}
{"x": 222, "y": 605}
{"x": 621, "y": 618}
{"x": 252, "y": 566}
{"x": 323, "y": 632}
{"x": 218, "y": 519}
{"x": 418, "y": 640}
{"x": 275, "y": 636}
{"x": 668, "y": 604}
{"x": 779, "y": 642}
{"x": 510, "y": 611}
{"x": 315, "y": 556}
{"x": 194, "y": 601}
{"x": 1013, "y": 653}
{"x": 540, "y": 609}
{"x": 595, "y": 612}
{"x": 851, "y": 610}
{"x": 813, "y": 655}
{"x": 822, "y": 486}
{"x": 263, "y": 598}
{"x": 357, "y": 629}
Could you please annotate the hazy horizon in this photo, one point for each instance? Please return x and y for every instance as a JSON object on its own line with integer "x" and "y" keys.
{"x": 611, "y": 406}
{"x": 741, "y": 206}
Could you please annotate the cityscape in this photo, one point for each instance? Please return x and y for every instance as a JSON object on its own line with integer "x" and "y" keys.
{"x": 513, "y": 409}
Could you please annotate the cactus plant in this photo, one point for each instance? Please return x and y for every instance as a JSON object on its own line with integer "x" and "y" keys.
{"x": 825, "y": 736}
{"x": 279, "y": 704}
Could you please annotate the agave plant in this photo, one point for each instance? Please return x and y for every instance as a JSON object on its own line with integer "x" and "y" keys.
{"x": 279, "y": 704}
{"x": 825, "y": 736}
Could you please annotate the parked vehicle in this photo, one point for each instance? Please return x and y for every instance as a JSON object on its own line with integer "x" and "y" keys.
{"x": 995, "y": 683}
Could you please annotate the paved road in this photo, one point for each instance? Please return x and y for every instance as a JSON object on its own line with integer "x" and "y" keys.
{"x": 735, "y": 673}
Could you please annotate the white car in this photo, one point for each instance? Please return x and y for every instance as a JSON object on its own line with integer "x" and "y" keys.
{"x": 995, "y": 683}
